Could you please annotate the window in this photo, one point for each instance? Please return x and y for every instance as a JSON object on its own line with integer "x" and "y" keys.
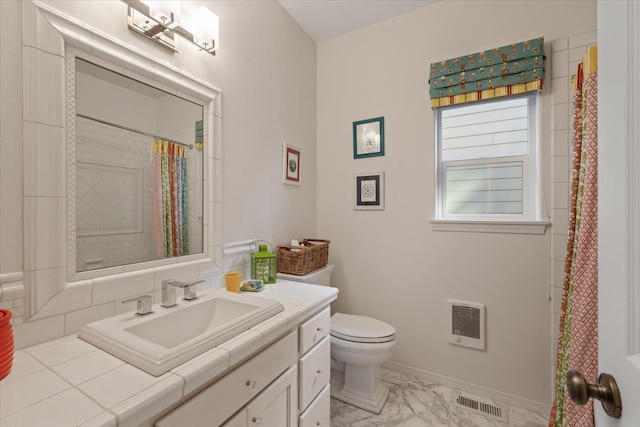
{"x": 487, "y": 164}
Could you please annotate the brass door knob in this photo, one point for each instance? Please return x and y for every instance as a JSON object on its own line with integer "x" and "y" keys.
{"x": 606, "y": 391}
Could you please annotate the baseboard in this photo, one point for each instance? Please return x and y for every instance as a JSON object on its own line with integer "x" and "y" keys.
{"x": 507, "y": 398}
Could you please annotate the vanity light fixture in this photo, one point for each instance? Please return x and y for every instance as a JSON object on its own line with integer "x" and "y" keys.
{"x": 160, "y": 21}
{"x": 165, "y": 12}
{"x": 206, "y": 29}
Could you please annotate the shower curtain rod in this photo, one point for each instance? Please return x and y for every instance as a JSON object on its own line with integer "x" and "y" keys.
{"x": 190, "y": 146}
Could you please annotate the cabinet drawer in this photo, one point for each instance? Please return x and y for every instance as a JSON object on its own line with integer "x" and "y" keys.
{"x": 220, "y": 400}
{"x": 276, "y": 405}
{"x": 315, "y": 371}
{"x": 314, "y": 329}
{"x": 318, "y": 414}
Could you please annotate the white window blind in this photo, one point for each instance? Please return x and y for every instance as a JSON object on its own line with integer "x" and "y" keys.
{"x": 490, "y": 188}
{"x": 484, "y": 152}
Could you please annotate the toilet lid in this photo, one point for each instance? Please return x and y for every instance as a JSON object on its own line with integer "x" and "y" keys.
{"x": 360, "y": 328}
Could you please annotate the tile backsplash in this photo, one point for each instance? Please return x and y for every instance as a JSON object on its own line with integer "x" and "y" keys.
{"x": 236, "y": 257}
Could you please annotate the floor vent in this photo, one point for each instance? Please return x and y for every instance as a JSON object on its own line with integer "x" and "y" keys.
{"x": 480, "y": 405}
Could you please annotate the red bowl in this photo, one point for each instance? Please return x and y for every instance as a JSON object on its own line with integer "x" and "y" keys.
{"x": 6, "y": 341}
{"x": 6, "y": 353}
{"x": 5, "y": 368}
{"x": 6, "y": 358}
{"x": 5, "y": 317}
{"x": 5, "y": 336}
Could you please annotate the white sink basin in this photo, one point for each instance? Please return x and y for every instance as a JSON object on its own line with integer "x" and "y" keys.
{"x": 159, "y": 342}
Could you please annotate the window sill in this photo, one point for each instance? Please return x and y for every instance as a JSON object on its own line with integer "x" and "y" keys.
{"x": 511, "y": 227}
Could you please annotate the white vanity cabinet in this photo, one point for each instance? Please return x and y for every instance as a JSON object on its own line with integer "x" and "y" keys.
{"x": 215, "y": 404}
{"x": 276, "y": 406}
{"x": 285, "y": 385}
{"x": 315, "y": 370}
{"x": 276, "y": 373}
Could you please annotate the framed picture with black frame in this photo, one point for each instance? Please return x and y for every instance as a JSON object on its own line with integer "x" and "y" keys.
{"x": 368, "y": 138}
{"x": 369, "y": 191}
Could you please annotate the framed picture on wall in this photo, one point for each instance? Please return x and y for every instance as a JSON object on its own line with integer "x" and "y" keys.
{"x": 369, "y": 191}
{"x": 290, "y": 164}
{"x": 368, "y": 138}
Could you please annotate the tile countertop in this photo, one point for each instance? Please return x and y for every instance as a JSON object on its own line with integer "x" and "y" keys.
{"x": 69, "y": 382}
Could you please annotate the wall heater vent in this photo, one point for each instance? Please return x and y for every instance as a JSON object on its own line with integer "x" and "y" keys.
{"x": 480, "y": 405}
{"x": 466, "y": 324}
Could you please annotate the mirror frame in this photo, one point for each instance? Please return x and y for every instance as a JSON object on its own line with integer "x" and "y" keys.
{"x": 72, "y": 273}
{"x": 52, "y": 285}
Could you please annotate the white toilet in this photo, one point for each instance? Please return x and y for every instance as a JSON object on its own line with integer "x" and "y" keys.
{"x": 359, "y": 345}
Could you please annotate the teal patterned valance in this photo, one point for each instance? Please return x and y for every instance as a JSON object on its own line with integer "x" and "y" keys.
{"x": 506, "y": 70}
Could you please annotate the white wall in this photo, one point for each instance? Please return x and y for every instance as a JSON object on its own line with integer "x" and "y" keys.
{"x": 102, "y": 99}
{"x": 390, "y": 264}
{"x": 266, "y": 69}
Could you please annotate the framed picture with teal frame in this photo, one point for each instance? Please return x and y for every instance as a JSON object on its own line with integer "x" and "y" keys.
{"x": 368, "y": 138}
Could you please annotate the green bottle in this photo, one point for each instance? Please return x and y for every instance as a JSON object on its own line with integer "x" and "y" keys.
{"x": 263, "y": 265}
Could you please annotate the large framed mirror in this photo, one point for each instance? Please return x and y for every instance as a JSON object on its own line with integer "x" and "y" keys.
{"x": 138, "y": 175}
{"x": 121, "y": 151}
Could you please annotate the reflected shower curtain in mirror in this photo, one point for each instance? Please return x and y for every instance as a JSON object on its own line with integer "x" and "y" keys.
{"x": 170, "y": 199}
{"x": 578, "y": 332}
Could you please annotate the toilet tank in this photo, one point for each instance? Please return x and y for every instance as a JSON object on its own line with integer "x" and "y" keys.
{"x": 322, "y": 276}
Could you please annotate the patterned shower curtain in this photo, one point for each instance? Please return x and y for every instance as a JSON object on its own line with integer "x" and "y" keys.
{"x": 170, "y": 199}
{"x": 578, "y": 337}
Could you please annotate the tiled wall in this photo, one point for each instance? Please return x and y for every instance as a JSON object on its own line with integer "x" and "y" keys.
{"x": 566, "y": 53}
{"x": 115, "y": 239}
{"x": 236, "y": 257}
{"x": 12, "y": 296}
{"x": 120, "y": 237}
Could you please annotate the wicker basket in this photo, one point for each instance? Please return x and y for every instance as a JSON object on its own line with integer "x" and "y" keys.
{"x": 300, "y": 260}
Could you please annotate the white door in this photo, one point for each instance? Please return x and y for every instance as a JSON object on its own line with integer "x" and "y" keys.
{"x": 619, "y": 200}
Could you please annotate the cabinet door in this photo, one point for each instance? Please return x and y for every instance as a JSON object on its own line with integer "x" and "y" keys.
{"x": 223, "y": 398}
{"x": 238, "y": 420}
{"x": 277, "y": 405}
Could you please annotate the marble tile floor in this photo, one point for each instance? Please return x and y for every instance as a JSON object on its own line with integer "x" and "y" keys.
{"x": 414, "y": 402}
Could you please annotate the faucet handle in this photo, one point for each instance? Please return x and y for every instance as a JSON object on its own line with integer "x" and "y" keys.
{"x": 190, "y": 291}
{"x": 144, "y": 304}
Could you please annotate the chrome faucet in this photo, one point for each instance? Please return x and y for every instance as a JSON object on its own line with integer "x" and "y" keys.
{"x": 144, "y": 304}
{"x": 169, "y": 293}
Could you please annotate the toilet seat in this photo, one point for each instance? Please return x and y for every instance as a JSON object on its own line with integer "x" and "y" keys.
{"x": 361, "y": 329}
